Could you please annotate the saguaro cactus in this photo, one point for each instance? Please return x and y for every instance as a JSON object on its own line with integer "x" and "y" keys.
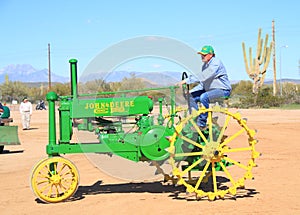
{"x": 257, "y": 66}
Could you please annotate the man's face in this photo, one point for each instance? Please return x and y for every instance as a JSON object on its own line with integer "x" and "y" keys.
{"x": 206, "y": 58}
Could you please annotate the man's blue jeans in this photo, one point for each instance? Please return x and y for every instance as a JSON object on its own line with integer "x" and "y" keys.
{"x": 204, "y": 97}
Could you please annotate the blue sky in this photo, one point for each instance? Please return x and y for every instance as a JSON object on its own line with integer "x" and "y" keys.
{"x": 83, "y": 29}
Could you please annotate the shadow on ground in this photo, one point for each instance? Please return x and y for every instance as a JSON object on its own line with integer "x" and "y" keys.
{"x": 174, "y": 191}
{"x": 11, "y": 152}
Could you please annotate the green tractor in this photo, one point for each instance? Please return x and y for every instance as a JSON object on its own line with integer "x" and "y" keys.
{"x": 212, "y": 163}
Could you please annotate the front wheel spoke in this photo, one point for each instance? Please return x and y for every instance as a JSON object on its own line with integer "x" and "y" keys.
{"x": 68, "y": 172}
{"x": 61, "y": 168}
{"x": 57, "y": 191}
{"x": 44, "y": 170}
{"x": 48, "y": 170}
{"x": 42, "y": 189}
{"x": 187, "y": 154}
{"x": 42, "y": 181}
{"x": 63, "y": 187}
{"x": 67, "y": 180}
{"x": 55, "y": 167}
{"x": 50, "y": 190}
{"x": 43, "y": 175}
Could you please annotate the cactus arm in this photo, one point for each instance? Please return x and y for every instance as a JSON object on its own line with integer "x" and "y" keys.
{"x": 264, "y": 54}
{"x": 259, "y": 43}
{"x": 245, "y": 59}
{"x": 265, "y": 47}
{"x": 266, "y": 63}
{"x": 252, "y": 63}
{"x": 259, "y": 55}
{"x": 268, "y": 57}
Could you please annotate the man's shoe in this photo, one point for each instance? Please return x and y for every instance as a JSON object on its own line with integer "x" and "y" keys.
{"x": 203, "y": 128}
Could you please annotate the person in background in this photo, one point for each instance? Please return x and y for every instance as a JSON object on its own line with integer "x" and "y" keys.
{"x": 1, "y": 112}
{"x": 212, "y": 83}
{"x": 6, "y": 111}
{"x": 41, "y": 105}
{"x": 26, "y": 112}
{"x": 1, "y": 108}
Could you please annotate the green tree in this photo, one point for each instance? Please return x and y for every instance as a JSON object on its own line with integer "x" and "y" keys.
{"x": 14, "y": 90}
{"x": 132, "y": 83}
{"x": 95, "y": 86}
{"x": 62, "y": 89}
{"x": 242, "y": 88}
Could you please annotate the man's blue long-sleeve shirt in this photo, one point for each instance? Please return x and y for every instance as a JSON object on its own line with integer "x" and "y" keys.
{"x": 213, "y": 76}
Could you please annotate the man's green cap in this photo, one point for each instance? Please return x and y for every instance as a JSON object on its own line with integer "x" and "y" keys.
{"x": 206, "y": 50}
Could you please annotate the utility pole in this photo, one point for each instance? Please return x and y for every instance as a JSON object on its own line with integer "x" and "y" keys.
{"x": 49, "y": 69}
{"x": 274, "y": 59}
{"x": 299, "y": 67}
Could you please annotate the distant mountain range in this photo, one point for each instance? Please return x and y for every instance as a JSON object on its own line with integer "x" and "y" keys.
{"x": 27, "y": 73}
{"x": 165, "y": 78}
{"x": 284, "y": 80}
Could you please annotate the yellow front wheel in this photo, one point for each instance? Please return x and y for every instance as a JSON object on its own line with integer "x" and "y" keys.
{"x": 54, "y": 179}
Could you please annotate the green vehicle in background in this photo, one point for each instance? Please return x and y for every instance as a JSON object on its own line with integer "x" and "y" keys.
{"x": 8, "y": 134}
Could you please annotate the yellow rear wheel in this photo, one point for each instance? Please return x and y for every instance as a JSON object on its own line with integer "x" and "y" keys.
{"x": 54, "y": 179}
{"x": 219, "y": 164}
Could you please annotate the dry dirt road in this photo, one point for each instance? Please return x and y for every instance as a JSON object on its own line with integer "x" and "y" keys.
{"x": 275, "y": 189}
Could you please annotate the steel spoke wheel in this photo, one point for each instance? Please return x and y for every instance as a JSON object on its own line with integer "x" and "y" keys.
{"x": 218, "y": 159}
{"x": 54, "y": 179}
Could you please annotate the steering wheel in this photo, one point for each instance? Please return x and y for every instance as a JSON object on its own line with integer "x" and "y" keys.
{"x": 185, "y": 90}
{"x": 185, "y": 87}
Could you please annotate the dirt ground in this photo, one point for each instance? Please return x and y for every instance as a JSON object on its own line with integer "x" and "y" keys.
{"x": 275, "y": 189}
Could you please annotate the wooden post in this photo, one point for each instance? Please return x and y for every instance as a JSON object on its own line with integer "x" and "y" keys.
{"x": 274, "y": 59}
{"x": 49, "y": 69}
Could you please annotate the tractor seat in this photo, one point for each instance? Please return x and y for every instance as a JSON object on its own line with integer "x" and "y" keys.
{"x": 222, "y": 101}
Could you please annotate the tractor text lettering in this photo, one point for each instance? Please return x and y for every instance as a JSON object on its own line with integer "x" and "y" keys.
{"x": 114, "y": 106}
